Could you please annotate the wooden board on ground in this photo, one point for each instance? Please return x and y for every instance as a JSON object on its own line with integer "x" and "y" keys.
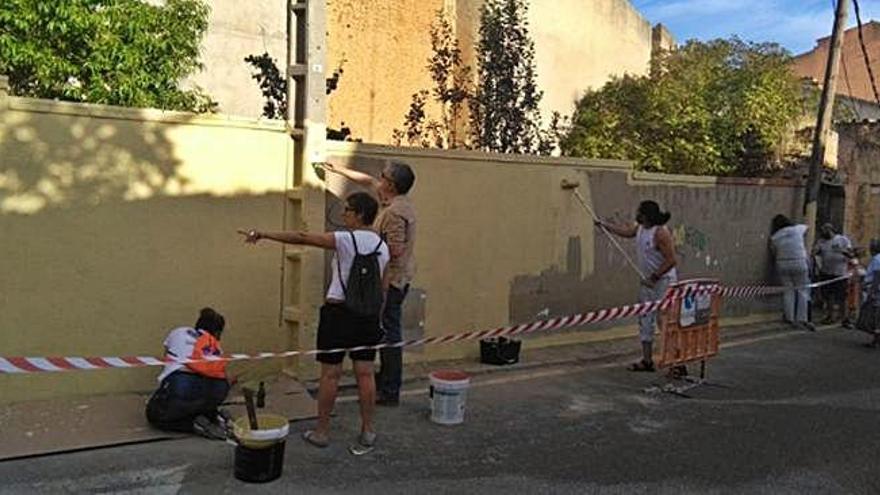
{"x": 43, "y": 427}
{"x": 55, "y": 426}
{"x": 285, "y": 396}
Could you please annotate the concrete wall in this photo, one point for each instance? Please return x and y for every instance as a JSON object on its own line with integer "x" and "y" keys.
{"x": 238, "y": 29}
{"x": 119, "y": 224}
{"x": 500, "y": 241}
{"x": 859, "y": 162}
{"x": 578, "y": 45}
{"x": 385, "y": 45}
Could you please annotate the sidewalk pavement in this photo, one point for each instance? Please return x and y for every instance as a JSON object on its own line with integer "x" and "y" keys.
{"x": 55, "y": 426}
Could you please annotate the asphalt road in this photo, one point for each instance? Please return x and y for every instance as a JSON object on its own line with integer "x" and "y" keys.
{"x": 800, "y": 413}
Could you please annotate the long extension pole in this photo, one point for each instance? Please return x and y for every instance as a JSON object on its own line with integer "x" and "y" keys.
{"x": 577, "y": 194}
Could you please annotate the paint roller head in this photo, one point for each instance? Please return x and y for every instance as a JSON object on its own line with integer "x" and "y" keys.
{"x": 569, "y": 184}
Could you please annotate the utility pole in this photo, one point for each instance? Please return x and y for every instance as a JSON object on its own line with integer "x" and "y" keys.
{"x": 823, "y": 123}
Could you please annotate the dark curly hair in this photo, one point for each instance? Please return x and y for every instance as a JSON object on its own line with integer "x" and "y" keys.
{"x": 211, "y": 322}
{"x": 651, "y": 211}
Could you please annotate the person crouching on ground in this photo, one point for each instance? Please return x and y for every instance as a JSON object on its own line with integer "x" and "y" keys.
{"x": 656, "y": 259}
{"x": 869, "y": 314}
{"x": 789, "y": 250}
{"x": 190, "y": 394}
{"x": 347, "y": 318}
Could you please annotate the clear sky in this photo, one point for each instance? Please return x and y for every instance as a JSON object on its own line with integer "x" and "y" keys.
{"x": 794, "y": 24}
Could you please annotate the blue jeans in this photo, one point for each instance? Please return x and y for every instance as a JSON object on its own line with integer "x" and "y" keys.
{"x": 390, "y": 376}
{"x": 182, "y": 397}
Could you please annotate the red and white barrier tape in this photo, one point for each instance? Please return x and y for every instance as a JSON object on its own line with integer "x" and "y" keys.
{"x": 17, "y": 365}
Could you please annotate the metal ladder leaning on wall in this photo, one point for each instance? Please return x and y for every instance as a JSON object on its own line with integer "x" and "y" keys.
{"x": 302, "y": 280}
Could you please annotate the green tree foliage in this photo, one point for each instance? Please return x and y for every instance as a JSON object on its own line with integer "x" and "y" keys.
{"x": 719, "y": 107}
{"x": 114, "y": 52}
{"x": 503, "y": 101}
{"x": 452, "y": 88}
{"x": 504, "y": 108}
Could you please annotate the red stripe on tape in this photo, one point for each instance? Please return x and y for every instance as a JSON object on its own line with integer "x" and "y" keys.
{"x": 23, "y": 363}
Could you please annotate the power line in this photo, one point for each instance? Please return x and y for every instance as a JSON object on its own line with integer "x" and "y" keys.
{"x": 865, "y": 53}
{"x": 849, "y": 96}
{"x": 849, "y": 92}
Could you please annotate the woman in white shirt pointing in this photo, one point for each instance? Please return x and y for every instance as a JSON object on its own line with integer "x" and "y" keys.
{"x": 343, "y": 324}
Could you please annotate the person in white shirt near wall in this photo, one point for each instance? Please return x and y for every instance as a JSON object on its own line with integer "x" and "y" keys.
{"x": 655, "y": 249}
{"x": 788, "y": 246}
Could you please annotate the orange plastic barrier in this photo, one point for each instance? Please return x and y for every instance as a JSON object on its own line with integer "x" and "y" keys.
{"x": 689, "y": 327}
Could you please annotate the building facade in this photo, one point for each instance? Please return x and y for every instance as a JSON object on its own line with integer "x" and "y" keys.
{"x": 382, "y": 47}
{"x": 854, "y": 81}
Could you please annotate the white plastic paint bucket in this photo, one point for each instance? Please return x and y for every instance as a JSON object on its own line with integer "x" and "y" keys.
{"x": 448, "y": 394}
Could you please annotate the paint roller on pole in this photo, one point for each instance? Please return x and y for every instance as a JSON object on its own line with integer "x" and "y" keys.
{"x": 572, "y": 186}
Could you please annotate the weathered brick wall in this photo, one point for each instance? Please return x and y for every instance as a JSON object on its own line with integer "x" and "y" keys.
{"x": 859, "y": 161}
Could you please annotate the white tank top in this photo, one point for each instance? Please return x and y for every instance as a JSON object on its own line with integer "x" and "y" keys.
{"x": 650, "y": 258}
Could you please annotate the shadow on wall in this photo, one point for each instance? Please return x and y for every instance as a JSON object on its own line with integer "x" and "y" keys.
{"x": 55, "y": 160}
{"x": 103, "y": 253}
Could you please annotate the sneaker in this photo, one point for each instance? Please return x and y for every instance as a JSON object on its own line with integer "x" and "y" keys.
{"x": 203, "y": 427}
{"x": 225, "y": 420}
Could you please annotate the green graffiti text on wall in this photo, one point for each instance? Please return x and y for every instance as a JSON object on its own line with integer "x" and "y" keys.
{"x": 685, "y": 235}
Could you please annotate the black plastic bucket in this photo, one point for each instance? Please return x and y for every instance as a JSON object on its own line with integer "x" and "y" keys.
{"x": 259, "y": 465}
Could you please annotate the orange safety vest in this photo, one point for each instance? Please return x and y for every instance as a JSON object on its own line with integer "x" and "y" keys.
{"x": 207, "y": 345}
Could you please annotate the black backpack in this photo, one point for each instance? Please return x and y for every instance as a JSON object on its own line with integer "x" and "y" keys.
{"x": 364, "y": 295}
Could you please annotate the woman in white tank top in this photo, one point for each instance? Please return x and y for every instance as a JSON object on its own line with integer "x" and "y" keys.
{"x": 655, "y": 251}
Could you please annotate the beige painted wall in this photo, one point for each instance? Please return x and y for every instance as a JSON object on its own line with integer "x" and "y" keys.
{"x": 477, "y": 235}
{"x": 385, "y": 45}
{"x": 119, "y": 224}
{"x": 578, "y": 44}
{"x": 472, "y": 210}
{"x": 500, "y": 242}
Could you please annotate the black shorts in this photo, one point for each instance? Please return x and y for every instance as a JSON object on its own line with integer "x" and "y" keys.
{"x": 339, "y": 328}
{"x": 835, "y": 292}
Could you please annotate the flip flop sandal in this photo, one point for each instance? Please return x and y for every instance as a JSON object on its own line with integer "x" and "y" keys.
{"x": 312, "y": 438}
{"x": 641, "y": 366}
